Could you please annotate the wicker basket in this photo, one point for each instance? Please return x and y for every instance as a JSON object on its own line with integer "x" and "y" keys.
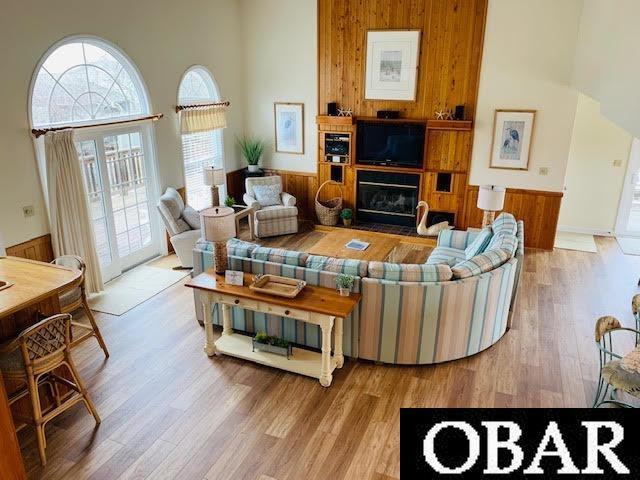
{"x": 328, "y": 211}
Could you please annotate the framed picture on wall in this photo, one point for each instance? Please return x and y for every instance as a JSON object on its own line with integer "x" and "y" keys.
{"x": 512, "y": 131}
{"x": 289, "y": 121}
{"x": 392, "y": 64}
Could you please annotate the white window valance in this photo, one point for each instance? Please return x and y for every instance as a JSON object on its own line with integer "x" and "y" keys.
{"x": 203, "y": 119}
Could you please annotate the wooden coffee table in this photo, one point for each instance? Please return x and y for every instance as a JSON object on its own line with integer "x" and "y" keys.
{"x": 333, "y": 245}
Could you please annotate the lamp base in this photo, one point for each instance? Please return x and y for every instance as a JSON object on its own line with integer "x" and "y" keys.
{"x": 220, "y": 257}
{"x": 487, "y": 218}
{"x": 215, "y": 196}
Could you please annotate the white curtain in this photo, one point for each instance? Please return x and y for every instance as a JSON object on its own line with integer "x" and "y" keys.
{"x": 71, "y": 231}
{"x": 203, "y": 119}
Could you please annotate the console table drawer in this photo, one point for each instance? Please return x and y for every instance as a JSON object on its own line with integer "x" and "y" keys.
{"x": 285, "y": 311}
{"x": 238, "y": 302}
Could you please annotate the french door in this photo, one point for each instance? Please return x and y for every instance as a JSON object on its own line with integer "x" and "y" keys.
{"x": 628, "y": 222}
{"x": 118, "y": 176}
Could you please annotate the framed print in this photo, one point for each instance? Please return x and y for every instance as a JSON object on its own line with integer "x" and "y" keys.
{"x": 392, "y": 64}
{"x": 289, "y": 120}
{"x": 512, "y": 130}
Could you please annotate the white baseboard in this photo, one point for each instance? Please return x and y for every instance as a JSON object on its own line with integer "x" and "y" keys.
{"x": 588, "y": 231}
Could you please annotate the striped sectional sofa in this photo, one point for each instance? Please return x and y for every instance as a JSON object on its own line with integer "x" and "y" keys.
{"x": 455, "y": 305}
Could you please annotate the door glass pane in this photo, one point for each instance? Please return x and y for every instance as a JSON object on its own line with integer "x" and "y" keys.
{"x": 633, "y": 224}
{"x": 127, "y": 176}
{"x": 90, "y": 168}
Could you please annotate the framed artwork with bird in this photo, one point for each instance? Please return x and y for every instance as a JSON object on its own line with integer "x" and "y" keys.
{"x": 512, "y": 134}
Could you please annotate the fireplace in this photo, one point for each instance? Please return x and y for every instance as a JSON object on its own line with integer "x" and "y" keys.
{"x": 389, "y": 198}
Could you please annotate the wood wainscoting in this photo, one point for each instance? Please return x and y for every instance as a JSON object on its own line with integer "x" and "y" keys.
{"x": 538, "y": 209}
{"x": 302, "y": 185}
{"x": 38, "y": 248}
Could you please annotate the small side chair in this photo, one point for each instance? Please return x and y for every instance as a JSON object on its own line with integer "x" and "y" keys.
{"x": 613, "y": 375}
{"x": 75, "y": 299}
{"x": 31, "y": 360}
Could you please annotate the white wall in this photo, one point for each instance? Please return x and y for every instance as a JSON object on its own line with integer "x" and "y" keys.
{"x": 607, "y": 66}
{"x": 280, "y": 65}
{"x": 593, "y": 183}
{"x": 163, "y": 38}
{"x": 527, "y": 63}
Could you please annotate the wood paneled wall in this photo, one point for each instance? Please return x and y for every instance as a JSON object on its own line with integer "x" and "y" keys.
{"x": 301, "y": 185}
{"x": 539, "y": 210}
{"x": 449, "y": 62}
{"x": 35, "y": 249}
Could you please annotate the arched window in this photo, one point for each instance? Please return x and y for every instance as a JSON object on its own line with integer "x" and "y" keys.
{"x": 87, "y": 81}
{"x": 204, "y": 148}
{"x": 83, "y": 81}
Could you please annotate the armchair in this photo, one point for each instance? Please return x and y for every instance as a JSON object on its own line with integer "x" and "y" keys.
{"x": 277, "y": 218}
{"x": 182, "y": 224}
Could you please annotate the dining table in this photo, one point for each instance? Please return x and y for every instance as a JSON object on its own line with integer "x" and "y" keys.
{"x": 29, "y": 291}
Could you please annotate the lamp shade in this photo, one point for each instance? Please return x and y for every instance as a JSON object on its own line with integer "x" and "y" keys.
{"x": 491, "y": 198}
{"x": 219, "y": 224}
{"x": 213, "y": 176}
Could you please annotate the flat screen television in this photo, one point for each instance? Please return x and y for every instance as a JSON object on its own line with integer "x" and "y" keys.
{"x": 390, "y": 143}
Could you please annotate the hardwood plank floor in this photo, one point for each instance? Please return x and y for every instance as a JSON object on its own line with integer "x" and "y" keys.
{"x": 168, "y": 411}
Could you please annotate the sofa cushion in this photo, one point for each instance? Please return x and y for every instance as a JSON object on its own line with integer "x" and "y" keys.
{"x": 268, "y": 195}
{"x": 276, "y": 212}
{"x": 482, "y": 263}
{"x": 240, "y": 248}
{"x": 348, "y": 266}
{"x": 280, "y": 255}
{"x": 505, "y": 222}
{"x": 410, "y": 272}
{"x": 506, "y": 241}
{"x": 171, "y": 205}
{"x": 520, "y": 237}
{"x": 446, "y": 255}
{"x": 192, "y": 217}
{"x": 479, "y": 243}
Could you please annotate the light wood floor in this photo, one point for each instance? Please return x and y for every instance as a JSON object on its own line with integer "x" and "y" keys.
{"x": 171, "y": 412}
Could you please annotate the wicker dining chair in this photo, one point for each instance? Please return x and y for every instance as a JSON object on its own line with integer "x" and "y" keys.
{"x": 31, "y": 360}
{"x": 75, "y": 299}
{"x": 613, "y": 373}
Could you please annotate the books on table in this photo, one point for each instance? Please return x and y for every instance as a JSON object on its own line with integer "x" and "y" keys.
{"x": 357, "y": 245}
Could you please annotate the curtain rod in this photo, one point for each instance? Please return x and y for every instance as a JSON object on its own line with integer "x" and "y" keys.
{"x": 38, "y": 132}
{"x": 199, "y": 105}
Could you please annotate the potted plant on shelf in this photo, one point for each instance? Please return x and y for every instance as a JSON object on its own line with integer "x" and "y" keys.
{"x": 347, "y": 215}
{"x": 273, "y": 344}
{"x": 344, "y": 284}
{"x": 229, "y": 201}
{"x": 252, "y": 149}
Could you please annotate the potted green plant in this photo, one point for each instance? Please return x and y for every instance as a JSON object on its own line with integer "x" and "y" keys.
{"x": 252, "y": 149}
{"x": 347, "y": 216}
{"x": 273, "y": 344}
{"x": 345, "y": 284}
{"x": 229, "y": 201}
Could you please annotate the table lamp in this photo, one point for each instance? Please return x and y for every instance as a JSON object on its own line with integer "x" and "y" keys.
{"x": 219, "y": 226}
{"x": 491, "y": 200}
{"x": 213, "y": 177}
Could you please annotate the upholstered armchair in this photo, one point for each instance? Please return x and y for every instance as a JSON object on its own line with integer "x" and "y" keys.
{"x": 275, "y": 211}
{"x": 182, "y": 223}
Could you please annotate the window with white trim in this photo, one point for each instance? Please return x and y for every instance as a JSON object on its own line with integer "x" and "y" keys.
{"x": 199, "y": 149}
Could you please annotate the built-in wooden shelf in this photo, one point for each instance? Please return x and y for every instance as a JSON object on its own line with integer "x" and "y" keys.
{"x": 458, "y": 125}
{"x": 334, "y": 120}
{"x": 385, "y": 168}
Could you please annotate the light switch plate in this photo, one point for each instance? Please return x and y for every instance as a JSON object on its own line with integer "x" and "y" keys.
{"x": 27, "y": 211}
{"x": 543, "y": 170}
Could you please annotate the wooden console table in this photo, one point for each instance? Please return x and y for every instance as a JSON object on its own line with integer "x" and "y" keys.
{"x": 317, "y": 305}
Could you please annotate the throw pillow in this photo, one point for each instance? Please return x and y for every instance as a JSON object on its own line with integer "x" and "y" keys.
{"x": 479, "y": 244}
{"x": 268, "y": 195}
{"x": 192, "y": 217}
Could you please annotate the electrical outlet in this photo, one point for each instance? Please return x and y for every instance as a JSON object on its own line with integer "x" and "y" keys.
{"x": 28, "y": 211}
{"x": 617, "y": 163}
{"x": 543, "y": 170}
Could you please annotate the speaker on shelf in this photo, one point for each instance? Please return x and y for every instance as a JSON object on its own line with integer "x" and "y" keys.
{"x": 332, "y": 109}
{"x": 459, "y": 112}
{"x": 388, "y": 114}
